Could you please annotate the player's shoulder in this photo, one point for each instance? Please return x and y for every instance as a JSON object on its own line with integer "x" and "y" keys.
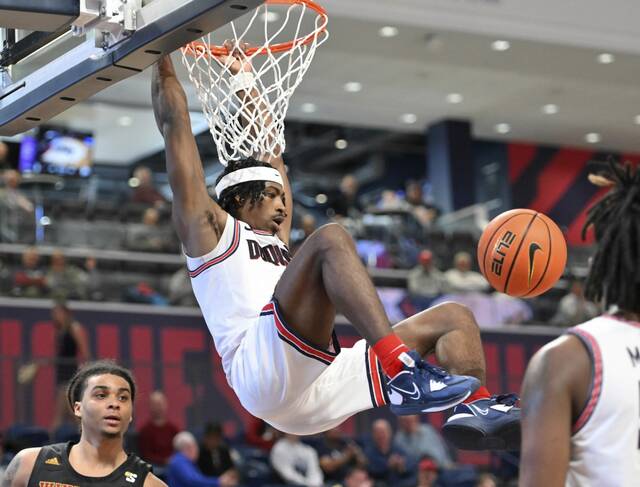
{"x": 560, "y": 361}
{"x": 19, "y": 471}
{"x": 153, "y": 481}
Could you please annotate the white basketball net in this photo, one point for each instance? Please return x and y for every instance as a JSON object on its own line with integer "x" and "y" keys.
{"x": 241, "y": 125}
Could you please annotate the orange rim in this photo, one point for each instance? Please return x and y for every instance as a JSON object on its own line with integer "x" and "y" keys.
{"x": 201, "y": 48}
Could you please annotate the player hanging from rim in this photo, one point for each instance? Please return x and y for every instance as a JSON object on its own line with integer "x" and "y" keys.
{"x": 581, "y": 406}
{"x": 101, "y": 395}
{"x": 272, "y": 317}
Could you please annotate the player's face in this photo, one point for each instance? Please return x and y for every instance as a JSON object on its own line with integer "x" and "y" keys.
{"x": 268, "y": 213}
{"x": 106, "y": 407}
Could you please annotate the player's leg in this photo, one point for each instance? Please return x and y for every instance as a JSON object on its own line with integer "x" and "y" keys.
{"x": 452, "y": 334}
{"x": 326, "y": 275}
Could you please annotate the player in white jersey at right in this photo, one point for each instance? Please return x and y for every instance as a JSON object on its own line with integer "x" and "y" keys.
{"x": 581, "y": 393}
{"x": 272, "y": 317}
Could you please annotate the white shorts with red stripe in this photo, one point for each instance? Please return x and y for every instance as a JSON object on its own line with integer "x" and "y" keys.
{"x": 297, "y": 387}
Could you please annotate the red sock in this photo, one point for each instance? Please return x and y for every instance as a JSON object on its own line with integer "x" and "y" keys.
{"x": 481, "y": 393}
{"x": 388, "y": 349}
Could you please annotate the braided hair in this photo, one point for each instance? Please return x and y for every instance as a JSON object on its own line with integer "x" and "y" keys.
{"x": 614, "y": 277}
{"x": 234, "y": 197}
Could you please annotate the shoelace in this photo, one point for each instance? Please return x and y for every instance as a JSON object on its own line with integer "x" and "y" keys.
{"x": 431, "y": 369}
{"x": 506, "y": 399}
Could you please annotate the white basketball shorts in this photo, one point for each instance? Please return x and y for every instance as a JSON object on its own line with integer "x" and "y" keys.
{"x": 297, "y": 387}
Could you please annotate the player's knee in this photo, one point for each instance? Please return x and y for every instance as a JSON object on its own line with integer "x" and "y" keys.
{"x": 331, "y": 237}
{"x": 459, "y": 316}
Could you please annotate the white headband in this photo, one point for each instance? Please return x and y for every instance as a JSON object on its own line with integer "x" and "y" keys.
{"x": 260, "y": 173}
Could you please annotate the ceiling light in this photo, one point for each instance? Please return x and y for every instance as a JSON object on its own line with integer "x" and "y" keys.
{"x": 321, "y": 198}
{"x": 125, "y": 121}
{"x": 353, "y": 86}
{"x": 500, "y": 45}
{"x": 45, "y": 220}
{"x": 606, "y": 58}
{"x": 550, "y": 109}
{"x": 454, "y": 98}
{"x": 133, "y": 182}
{"x": 341, "y": 144}
{"x": 308, "y": 107}
{"x": 388, "y": 31}
{"x": 269, "y": 16}
{"x": 503, "y": 128}
{"x": 408, "y": 118}
{"x": 593, "y": 138}
{"x": 637, "y": 119}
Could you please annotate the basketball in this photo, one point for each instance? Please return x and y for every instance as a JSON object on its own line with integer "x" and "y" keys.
{"x": 522, "y": 253}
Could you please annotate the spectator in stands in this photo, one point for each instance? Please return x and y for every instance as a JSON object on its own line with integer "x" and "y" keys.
{"x": 4, "y": 157}
{"x": 15, "y": 208}
{"x": 295, "y": 462}
{"x": 150, "y": 236}
{"x": 425, "y": 281}
{"x": 215, "y": 457}
{"x": 338, "y": 455}
{"x": 182, "y": 470}
{"x": 145, "y": 192}
{"x": 387, "y": 462}
{"x": 427, "y": 473}
{"x": 422, "y": 441}
{"x": 308, "y": 226}
{"x": 346, "y": 203}
{"x": 30, "y": 280}
{"x": 415, "y": 201}
{"x": 72, "y": 349}
{"x": 92, "y": 280}
{"x": 260, "y": 434}
{"x": 156, "y": 435}
{"x": 461, "y": 279}
{"x": 389, "y": 200}
{"x": 65, "y": 281}
{"x": 357, "y": 477}
{"x": 180, "y": 290}
{"x": 574, "y": 308}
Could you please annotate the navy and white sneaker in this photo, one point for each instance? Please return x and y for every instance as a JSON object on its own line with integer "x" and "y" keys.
{"x": 423, "y": 388}
{"x": 485, "y": 424}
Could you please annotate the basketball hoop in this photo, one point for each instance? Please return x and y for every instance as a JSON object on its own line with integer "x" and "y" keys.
{"x": 242, "y": 125}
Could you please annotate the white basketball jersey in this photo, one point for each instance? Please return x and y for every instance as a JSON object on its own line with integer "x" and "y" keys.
{"x": 606, "y": 437}
{"x": 234, "y": 281}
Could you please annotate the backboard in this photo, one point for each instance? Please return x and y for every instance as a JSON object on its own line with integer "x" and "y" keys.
{"x": 43, "y": 74}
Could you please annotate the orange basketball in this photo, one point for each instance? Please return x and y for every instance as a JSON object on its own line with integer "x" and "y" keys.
{"x": 522, "y": 253}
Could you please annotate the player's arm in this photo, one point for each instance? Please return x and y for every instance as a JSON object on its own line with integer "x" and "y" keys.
{"x": 153, "y": 481}
{"x": 19, "y": 470}
{"x": 199, "y": 221}
{"x": 556, "y": 377}
{"x": 254, "y": 103}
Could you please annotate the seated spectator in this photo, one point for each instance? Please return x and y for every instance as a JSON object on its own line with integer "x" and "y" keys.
{"x": 260, "y": 434}
{"x": 422, "y": 441}
{"x": 425, "y": 281}
{"x": 574, "y": 308}
{"x": 357, "y": 477}
{"x": 461, "y": 279}
{"x": 214, "y": 458}
{"x": 427, "y": 473}
{"x": 145, "y": 191}
{"x": 390, "y": 201}
{"x": 182, "y": 470}
{"x": 295, "y": 462}
{"x": 338, "y": 456}
{"x": 308, "y": 226}
{"x": 150, "y": 236}
{"x": 30, "y": 281}
{"x": 387, "y": 462}
{"x": 65, "y": 281}
{"x": 425, "y": 214}
{"x": 15, "y": 207}
{"x": 346, "y": 203}
{"x": 93, "y": 281}
{"x": 156, "y": 435}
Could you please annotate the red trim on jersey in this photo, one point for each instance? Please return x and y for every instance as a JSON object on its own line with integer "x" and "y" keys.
{"x": 290, "y": 336}
{"x": 376, "y": 379}
{"x": 235, "y": 242}
{"x": 596, "y": 382}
